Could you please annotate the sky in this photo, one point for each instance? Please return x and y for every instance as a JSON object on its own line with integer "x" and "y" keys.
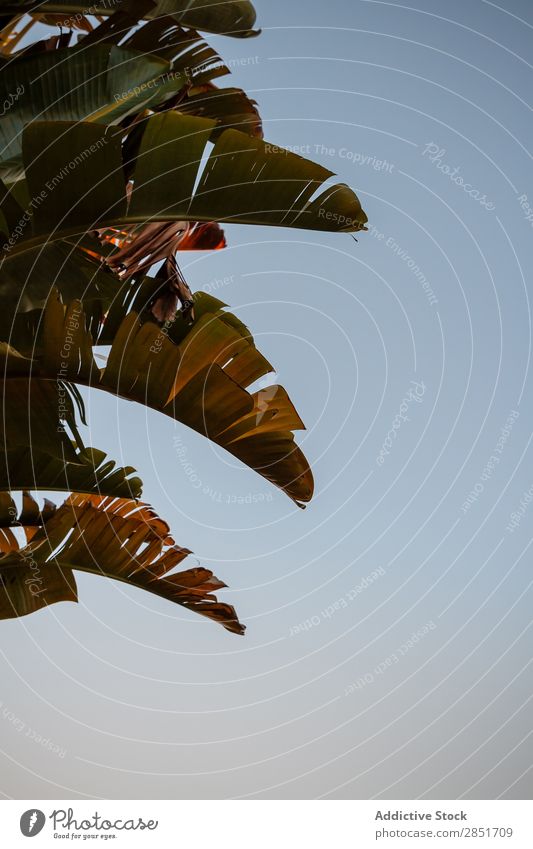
{"x": 388, "y": 643}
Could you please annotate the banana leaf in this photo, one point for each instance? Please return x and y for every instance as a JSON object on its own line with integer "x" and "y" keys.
{"x": 26, "y": 280}
{"x": 115, "y": 538}
{"x": 197, "y": 374}
{"x": 75, "y": 269}
{"x": 42, "y": 448}
{"x": 103, "y": 84}
{"x": 222, "y": 17}
{"x": 231, "y": 108}
{"x": 99, "y": 80}
{"x": 31, "y": 468}
{"x": 29, "y": 516}
{"x": 185, "y": 49}
{"x": 77, "y": 170}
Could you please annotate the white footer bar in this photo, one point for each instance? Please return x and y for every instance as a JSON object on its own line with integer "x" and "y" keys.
{"x": 266, "y": 824}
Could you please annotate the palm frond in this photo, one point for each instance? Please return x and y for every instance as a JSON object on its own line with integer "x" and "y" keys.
{"x": 197, "y": 374}
{"x": 78, "y": 171}
{"x": 114, "y": 538}
{"x": 222, "y": 17}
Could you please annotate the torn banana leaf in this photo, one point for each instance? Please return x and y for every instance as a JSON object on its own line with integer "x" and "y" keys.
{"x": 114, "y": 538}
{"x": 77, "y": 169}
{"x": 197, "y": 374}
{"x": 231, "y": 108}
{"x": 30, "y": 468}
{"x": 30, "y": 516}
{"x": 189, "y": 55}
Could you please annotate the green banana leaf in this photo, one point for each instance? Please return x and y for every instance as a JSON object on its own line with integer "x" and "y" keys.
{"x": 222, "y": 17}
{"x": 100, "y": 80}
{"x": 76, "y": 170}
{"x": 231, "y": 108}
{"x": 102, "y": 84}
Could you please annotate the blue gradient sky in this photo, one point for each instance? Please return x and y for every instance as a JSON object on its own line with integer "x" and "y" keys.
{"x": 148, "y": 701}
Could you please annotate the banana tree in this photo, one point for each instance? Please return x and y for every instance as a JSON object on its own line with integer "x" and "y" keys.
{"x": 118, "y": 152}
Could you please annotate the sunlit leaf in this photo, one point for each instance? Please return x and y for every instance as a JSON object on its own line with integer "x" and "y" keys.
{"x": 196, "y": 373}
{"x": 114, "y": 538}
